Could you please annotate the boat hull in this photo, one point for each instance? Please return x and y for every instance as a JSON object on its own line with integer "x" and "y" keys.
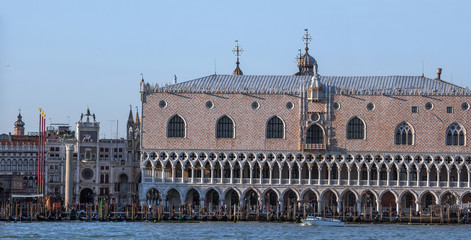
{"x": 322, "y": 222}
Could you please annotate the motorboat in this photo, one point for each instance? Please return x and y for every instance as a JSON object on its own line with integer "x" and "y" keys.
{"x": 321, "y": 221}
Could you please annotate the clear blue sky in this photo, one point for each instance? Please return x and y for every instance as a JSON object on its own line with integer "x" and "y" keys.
{"x": 65, "y": 55}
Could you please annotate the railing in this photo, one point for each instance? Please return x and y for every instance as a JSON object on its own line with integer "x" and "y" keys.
{"x": 265, "y": 181}
{"x": 343, "y": 182}
{"x": 324, "y": 181}
{"x": 275, "y": 181}
{"x": 294, "y": 181}
{"x": 304, "y": 181}
{"x": 314, "y": 146}
{"x": 433, "y": 183}
{"x": 453, "y": 184}
{"x": 353, "y": 182}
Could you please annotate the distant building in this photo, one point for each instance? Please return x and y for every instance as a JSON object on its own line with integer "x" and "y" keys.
{"x": 103, "y": 168}
{"x": 18, "y": 162}
{"x": 339, "y": 142}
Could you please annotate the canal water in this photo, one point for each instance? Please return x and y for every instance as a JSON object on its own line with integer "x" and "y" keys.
{"x": 226, "y": 230}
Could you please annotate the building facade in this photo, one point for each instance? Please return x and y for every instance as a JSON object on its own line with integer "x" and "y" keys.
{"x": 341, "y": 143}
{"x": 18, "y": 162}
{"x": 102, "y": 168}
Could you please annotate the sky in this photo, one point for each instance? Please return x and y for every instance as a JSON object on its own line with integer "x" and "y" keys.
{"x": 63, "y": 56}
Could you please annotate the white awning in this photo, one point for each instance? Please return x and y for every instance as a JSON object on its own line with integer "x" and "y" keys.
{"x": 27, "y": 196}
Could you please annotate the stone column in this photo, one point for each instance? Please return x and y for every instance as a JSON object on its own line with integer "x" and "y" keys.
{"x": 271, "y": 170}
{"x": 378, "y": 173}
{"x": 163, "y": 173}
{"x": 438, "y": 178}
{"x": 319, "y": 169}
{"x": 212, "y": 176}
{"x": 408, "y": 177}
{"x": 261, "y": 175}
{"x": 398, "y": 206}
{"x": 368, "y": 174}
{"x": 398, "y": 177}
{"x": 417, "y": 206}
{"x": 69, "y": 148}
{"x": 289, "y": 175}
{"x": 359, "y": 177}
{"x": 309, "y": 177}
{"x": 339, "y": 205}
{"x": 153, "y": 174}
{"x": 300, "y": 172}
{"x": 143, "y": 176}
{"x": 428, "y": 178}
{"x": 232, "y": 176}
{"x": 349, "y": 177}
{"x": 173, "y": 174}
{"x": 459, "y": 178}
{"x": 222, "y": 176}
{"x": 250, "y": 173}
{"x": 378, "y": 206}
{"x": 319, "y": 207}
{"x": 469, "y": 178}
{"x": 279, "y": 175}
{"x": 448, "y": 179}
{"x": 329, "y": 172}
{"x": 192, "y": 174}
{"x": 388, "y": 175}
{"x": 339, "y": 176}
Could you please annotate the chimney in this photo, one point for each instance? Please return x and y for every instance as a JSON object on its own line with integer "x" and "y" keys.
{"x": 439, "y": 73}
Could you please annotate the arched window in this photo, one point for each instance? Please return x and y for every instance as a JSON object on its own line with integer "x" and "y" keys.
{"x": 314, "y": 135}
{"x": 176, "y": 127}
{"x": 404, "y": 134}
{"x": 225, "y": 128}
{"x": 455, "y": 135}
{"x": 107, "y": 178}
{"x": 102, "y": 178}
{"x": 275, "y": 128}
{"x": 355, "y": 129}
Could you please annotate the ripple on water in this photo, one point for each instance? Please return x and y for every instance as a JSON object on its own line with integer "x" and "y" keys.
{"x": 227, "y": 230}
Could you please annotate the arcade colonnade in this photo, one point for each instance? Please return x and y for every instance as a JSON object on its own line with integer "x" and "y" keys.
{"x": 389, "y": 181}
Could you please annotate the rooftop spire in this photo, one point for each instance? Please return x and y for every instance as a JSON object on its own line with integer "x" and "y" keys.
{"x": 137, "y": 122}
{"x": 306, "y": 63}
{"x": 307, "y": 39}
{"x": 130, "y": 121}
{"x": 237, "y": 51}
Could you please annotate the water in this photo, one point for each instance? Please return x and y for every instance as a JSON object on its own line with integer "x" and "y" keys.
{"x": 226, "y": 230}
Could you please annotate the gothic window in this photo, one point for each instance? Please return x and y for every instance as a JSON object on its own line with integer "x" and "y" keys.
{"x": 225, "y": 128}
{"x": 275, "y": 128}
{"x": 355, "y": 129}
{"x": 404, "y": 134}
{"x": 176, "y": 127}
{"x": 314, "y": 135}
{"x": 455, "y": 135}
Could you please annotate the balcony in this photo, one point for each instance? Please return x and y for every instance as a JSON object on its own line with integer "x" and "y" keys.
{"x": 314, "y": 146}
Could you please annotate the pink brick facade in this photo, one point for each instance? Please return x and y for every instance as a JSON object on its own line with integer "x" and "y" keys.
{"x": 429, "y": 125}
{"x": 201, "y": 121}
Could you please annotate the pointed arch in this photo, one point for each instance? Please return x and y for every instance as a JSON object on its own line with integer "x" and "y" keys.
{"x": 225, "y": 127}
{"x": 404, "y": 134}
{"x": 455, "y": 135}
{"x": 356, "y": 128}
{"x": 176, "y": 127}
{"x": 315, "y": 134}
{"x": 275, "y": 128}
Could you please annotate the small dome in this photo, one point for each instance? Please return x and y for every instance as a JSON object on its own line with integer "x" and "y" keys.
{"x": 19, "y": 122}
{"x": 306, "y": 61}
{"x": 237, "y": 71}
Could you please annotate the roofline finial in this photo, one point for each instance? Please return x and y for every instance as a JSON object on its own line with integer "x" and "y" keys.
{"x": 307, "y": 39}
